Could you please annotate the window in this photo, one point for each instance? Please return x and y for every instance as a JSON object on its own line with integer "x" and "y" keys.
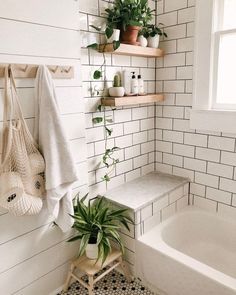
{"x": 224, "y": 80}
{"x": 214, "y": 97}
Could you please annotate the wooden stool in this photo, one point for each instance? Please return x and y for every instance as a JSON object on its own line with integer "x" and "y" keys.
{"x": 89, "y": 267}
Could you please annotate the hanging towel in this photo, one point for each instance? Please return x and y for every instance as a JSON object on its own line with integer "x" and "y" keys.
{"x": 60, "y": 173}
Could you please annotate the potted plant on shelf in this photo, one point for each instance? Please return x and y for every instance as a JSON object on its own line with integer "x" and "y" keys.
{"x": 98, "y": 225}
{"x": 132, "y": 16}
{"x": 142, "y": 36}
{"x": 117, "y": 90}
{"x": 113, "y": 19}
{"x": 153, "y": 34}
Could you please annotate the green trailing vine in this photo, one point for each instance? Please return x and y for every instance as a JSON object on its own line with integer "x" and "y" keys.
{"x": 108, "y": 158}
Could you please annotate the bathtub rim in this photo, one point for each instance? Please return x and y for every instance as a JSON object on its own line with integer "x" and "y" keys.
{"x": 188, "y": 261}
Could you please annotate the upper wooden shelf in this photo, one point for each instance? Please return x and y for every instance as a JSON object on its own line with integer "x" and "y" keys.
{"x": 132, "y": 50}
{"x": 132, "y": 100}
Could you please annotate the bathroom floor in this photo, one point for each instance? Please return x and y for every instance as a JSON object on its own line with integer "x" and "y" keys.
{"x": 112, "y": 284}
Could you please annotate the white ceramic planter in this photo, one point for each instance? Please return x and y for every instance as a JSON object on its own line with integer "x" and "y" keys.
{"x": 92, "y": 251}
{"x": 115, "y": 36}
{"x": 116, "y": 91}
{"x": 153, "y": 42}
{"x": 143, "y": 41}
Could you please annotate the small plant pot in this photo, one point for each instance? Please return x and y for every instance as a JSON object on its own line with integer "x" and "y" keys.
{"x": 130, "y": 35}
{"x": 143, "y": 41}
{"x": 115, "y": 36}
{"x": 116, "y": 91}
{"x": 92, "y": 251}
{"x": 153, "y": 42}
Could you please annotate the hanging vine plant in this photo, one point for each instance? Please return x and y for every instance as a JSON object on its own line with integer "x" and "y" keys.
{"x": 108, "y": 158}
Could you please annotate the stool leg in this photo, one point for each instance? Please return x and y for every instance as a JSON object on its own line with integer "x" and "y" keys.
{"x": 90, "y": 285}
{"x": 67, "y": 283}
{"x": 125, "y": 270}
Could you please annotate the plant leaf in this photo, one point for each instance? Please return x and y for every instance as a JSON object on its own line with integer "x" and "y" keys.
{"x": 76, "y": 238}
{"x": 109, "y": 131}
{"x": 93, "y": 46}
{"x": 109, "y": 32}
{"x": 83, "y": 244}
{"x": 97, "y": 120}
{"x": 97, "y": 75}
{"x": 96, "y": 28}
{"x": 116, "y": 45}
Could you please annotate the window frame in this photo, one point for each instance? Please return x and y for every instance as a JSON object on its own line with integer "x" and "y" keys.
{"x": 206, "y": 51}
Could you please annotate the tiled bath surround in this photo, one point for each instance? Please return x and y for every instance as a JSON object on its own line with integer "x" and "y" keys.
{"x": 207, "y": 158}
{"x": 133, "y": 127}
{"x": 152, "y": 199}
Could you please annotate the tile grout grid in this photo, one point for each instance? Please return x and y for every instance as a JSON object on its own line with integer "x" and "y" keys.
{"x": 112, "y": 284}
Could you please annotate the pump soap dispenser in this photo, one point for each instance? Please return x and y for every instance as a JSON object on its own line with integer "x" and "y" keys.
{"x": 134, "y": 84}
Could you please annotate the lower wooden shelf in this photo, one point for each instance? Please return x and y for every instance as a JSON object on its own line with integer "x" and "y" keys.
{"x": 132, "y": 100}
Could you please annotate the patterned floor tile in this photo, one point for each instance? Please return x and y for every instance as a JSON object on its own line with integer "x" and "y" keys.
{"x": 112, "y": 284}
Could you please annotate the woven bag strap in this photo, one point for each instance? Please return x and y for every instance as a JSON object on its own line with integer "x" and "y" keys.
{"x": 7, "y": 122}
{"x": 17, "y": 109}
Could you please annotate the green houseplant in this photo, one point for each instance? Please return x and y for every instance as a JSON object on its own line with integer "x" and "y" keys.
{"x": 108, "y": 158}
{"x": 98, "y": 225}
{"x": 131, "y": 16}
{"x": 153, "y": 33}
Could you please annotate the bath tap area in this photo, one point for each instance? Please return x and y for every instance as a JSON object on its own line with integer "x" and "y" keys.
{"x": 117, "y": 147}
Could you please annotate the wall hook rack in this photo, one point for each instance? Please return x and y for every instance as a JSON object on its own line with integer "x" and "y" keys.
{"x": 30, "y": 71}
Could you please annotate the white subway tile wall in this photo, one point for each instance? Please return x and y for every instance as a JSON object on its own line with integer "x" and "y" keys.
{"x": 133, "y": 127}
{"x": 208, "y": 159}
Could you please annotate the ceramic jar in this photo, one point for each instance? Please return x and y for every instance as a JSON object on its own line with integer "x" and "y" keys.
{"x": 115, "y": 36}
{"x": 143, "y": 41}
{"x": 153, "y": 42}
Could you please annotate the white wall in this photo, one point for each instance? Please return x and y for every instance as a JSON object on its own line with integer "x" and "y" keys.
{"x": 134, "y": 127}
{"x": 34, "y": 254}
{"x": 207, "y": 158}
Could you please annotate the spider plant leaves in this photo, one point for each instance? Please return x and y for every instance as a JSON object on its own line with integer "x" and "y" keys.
{"x": 76, "y": 238}
{"x": 83, "y": 244}
{"x": 97, "y": 220}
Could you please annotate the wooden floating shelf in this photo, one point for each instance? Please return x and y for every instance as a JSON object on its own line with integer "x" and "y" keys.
{"x": 132, "y": 50}
{"x": 132, "y": 100}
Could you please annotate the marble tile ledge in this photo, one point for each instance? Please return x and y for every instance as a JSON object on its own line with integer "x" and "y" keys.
{"x": 141, "y": 192}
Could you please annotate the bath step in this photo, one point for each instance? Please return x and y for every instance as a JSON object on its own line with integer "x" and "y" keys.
{"x": 151, "y": 199}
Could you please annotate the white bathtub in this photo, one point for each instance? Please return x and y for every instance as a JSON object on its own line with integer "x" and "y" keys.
{"x": 192, "y": 253}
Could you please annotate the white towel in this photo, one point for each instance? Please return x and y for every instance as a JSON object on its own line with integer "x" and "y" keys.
{"x": 60, "y": 171}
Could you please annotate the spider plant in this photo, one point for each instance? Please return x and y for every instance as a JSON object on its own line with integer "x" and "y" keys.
{"x": 97, "y": 222}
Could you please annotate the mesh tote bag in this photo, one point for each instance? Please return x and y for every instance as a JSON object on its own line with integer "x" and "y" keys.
{"x": 22, "y": 166}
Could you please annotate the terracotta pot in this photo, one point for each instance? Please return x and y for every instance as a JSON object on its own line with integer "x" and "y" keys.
{"x": 130, "y": 35}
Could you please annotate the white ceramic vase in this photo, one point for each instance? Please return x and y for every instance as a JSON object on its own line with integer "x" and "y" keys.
{"x": 115, "y": 36}
{"x": 153, "y": 42}
{"x": 116, "y": 91}
{"x": 143, "y": 41}
{"x": 92, "y": 251}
